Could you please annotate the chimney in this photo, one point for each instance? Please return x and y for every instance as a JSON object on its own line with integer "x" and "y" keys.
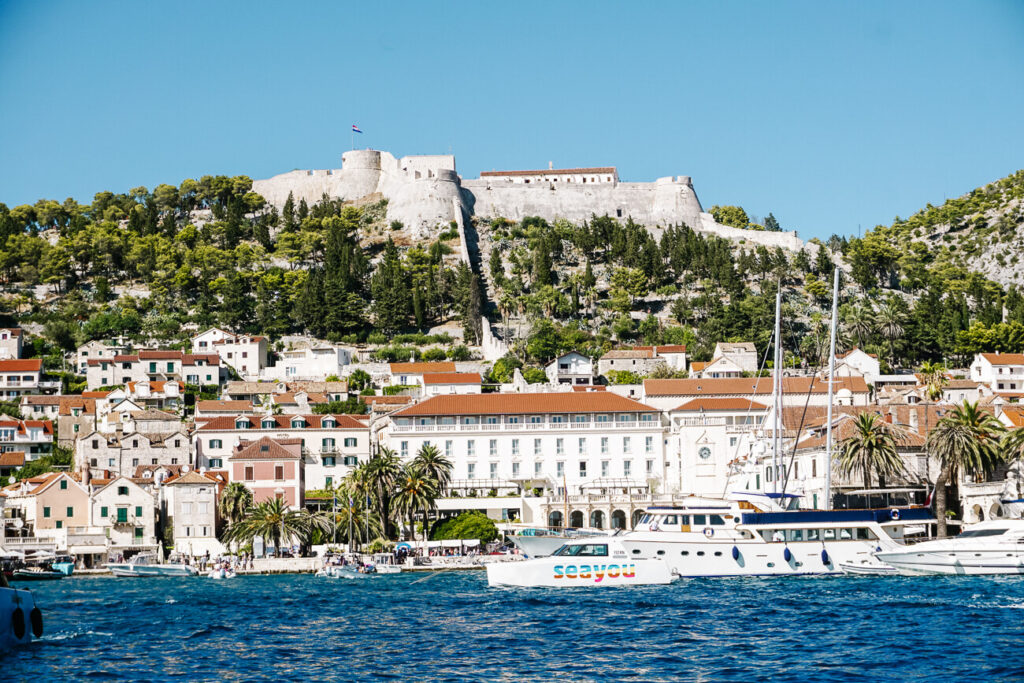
{"x": 551, "y": 165}
{"x": 888, "y": 417}
{"x": 912, "y": 419}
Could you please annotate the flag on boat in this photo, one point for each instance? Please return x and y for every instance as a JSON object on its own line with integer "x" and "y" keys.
{"x": 355, "y": 129}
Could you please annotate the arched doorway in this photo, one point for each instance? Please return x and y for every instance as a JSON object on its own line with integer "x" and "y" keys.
{"x": 576, "y": 519}
{"x": 555, "y": 518}
{"x": 996, "y": 511}
{"x": 618, "y": 519}
{"x": 979, "y": 514}
{"x": 637, "y": 515}
{"x": 597, "y": 519}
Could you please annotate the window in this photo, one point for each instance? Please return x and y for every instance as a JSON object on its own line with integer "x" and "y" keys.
{"x": 647, "y": 417}
{"x": 122, "y": 490}
{"x": 75, "y": 428}
{"x": 627, "y": 444}
{"x": 138, "y": 533}
{"x": 536, "y": 468}
{"x": 494, "y": 470}
{"x": 138, "y": 510}
{"x": 471, "y": 448}
{"x": 649, "y": 444}
{"x": 63, "y": 484}
{"x": 601, "y": 418}
{"x": 583, "y": 468}
{"x": 70, "y": 512}
{"x": 515, "y": 447}
{"x": 732, "y": 441}
{"x": 404, "y": 449}
{"x": 581, "y": 446}
{"x": 122, "y": 515}
{"x": 103, "y": 511}
{"x": 298, "y": 423}
{"x": 328, "y": 482}
{"x": 216, "y": 443}
{"x": 471, "y": 471}
{"x": 536, "y": 419}
{"x": 152, "y": 367}
{"x": 448, "y": 448}
{"x": 95, "y": 443}
{"x": 46, "y": 512}
{"x": 560, "y": 469}
{"x": 604, "y": 444}
{"x": 515, "y": 469}
{"x": 650, "y": 467}
{"x": 170, "y": 367}
{"x": 249, "y": 473}
{"x": 216, "y": 462}
{"x": 350, "y": 461}
{"x": 627, "y": 468}
{"x": 493, "y": 447}
{"x": 491, "y": 420}
{"x": 268, "y": 424}
{"x": 559, "y": 446}
{"x": 278, "y": 472}
{"x": 60, "y": 524}
{"x": 814, "y": 467}
{"x": 327, "y": 444}
{"x": 329, "y": 461}
{"x": 186, "y": 508}
{"x": 536, "y": 447}
{"x": 328, "y": 423}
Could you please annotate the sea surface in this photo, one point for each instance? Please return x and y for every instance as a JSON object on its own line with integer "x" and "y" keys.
{"x": 452, "y": 627}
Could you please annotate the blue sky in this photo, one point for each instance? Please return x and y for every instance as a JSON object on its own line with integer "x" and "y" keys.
{"x": 830, "y": 115}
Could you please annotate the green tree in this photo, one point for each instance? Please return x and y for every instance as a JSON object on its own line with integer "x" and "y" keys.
{"x": 967, "y": 441}
{"x": 872, "y": 448}
{"x": 415, "y": 491}
{"x": 234, "y": 503}
{"x": 730, "y": 215}
{"x": 390, "y": 289}
{"x": 275, "y": 521}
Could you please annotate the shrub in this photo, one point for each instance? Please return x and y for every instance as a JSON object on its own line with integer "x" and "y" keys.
{"x": 434, "y": 354}
{"x": 459, "y": 353}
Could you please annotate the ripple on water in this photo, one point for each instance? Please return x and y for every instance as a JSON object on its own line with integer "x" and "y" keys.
{"x": 454, "y": 627}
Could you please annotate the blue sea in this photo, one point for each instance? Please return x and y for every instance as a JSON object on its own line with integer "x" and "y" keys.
{"x": 452, "y": 627}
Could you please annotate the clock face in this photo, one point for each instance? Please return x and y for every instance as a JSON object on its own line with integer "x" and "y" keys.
{"x": 704, "y": 452}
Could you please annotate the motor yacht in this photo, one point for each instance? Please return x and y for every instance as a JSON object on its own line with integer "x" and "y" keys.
{"x": 535, "y": 541}
{"x": 586, "y": 562}
{"x": 992, "y": 547}
{"x": 147, "y": 565}
{"x": 751, "y": 537}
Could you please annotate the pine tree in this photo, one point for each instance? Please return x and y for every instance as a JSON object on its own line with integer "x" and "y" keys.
{"x": 771, "y": 224}
{"x": 288, "y": 213}
{"x": 390, "y": 289}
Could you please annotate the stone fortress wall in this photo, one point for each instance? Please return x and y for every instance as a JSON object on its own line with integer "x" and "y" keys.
{"x": 425, "y": 193}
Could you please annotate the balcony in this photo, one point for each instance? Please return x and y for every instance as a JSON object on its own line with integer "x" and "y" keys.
{"x": 532, "y": 426}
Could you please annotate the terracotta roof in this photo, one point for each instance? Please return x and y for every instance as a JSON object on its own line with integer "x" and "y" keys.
{"x": 282, "y": 422}
{"x": 734, "y": 404}
{"x": 26, "y": 365}
{"x": 95, "y": 394}
{"x": 451, "y": 378}
{"x": 844, "y": 355}
{"x": 15, "y": 331}
{"x": 12, "y": 459}
{"x": 420, "y": 368}
{"x": 747, "y": 386}
{"x": 191, "y": 477}
{"x": 628, "y": 353}
{"x": 224, "y": 406}
{"x": 845, "y": 426}
{"x": 697, "y": 366}
{"x": 22, "y": 426}
{"x": 266, "y": 449}
{"x": 589, "y": 387}
{"x": 1004, "y": 358}
{"x": 664, "y": 348}
{"x": 289, "y": 398}
{"x": 551, "y": 171}
{"x": 525, "y": 404}
{"x": 1015, "y": 415}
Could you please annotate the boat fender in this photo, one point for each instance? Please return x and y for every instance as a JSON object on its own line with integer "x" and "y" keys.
{"x": 709, "y": 532}
{"x": 824, "y": 557}
{"x": 735, "y": 553}
{"x": 36, "y": 617}
{"x": 787, "y": 554}
{"x": 894, "y": 514}
{"x": 18, "y": 623}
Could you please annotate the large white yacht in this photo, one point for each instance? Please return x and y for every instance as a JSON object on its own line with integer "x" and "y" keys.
{"x": 755, "y": 535}
{"x": 993, "y": 547}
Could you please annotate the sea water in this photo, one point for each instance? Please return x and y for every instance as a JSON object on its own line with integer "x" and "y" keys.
{"x": 453, "y": 627}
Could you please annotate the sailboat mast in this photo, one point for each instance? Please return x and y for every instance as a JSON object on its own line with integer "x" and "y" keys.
{"x": 777, "y": 390}
{"x": 831, "y": 388}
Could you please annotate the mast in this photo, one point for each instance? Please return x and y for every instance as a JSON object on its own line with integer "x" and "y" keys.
{"x": 777, "y": 391}
{"x": 831, "y": 389}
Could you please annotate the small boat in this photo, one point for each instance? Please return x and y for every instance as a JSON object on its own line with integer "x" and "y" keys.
{"x": 65, "y": 565}
{"x": 146, "y": 565}
{"x": 591, "y": 562}
{"x": 20, "y": 618}
{"x": 864, "y": 567}
{"x": 36, "y": 574}
{"x": 384, "y": 563}
{"x": 221, "y": 573}
{"x": 343, "y": 571}
{"x": 992, "y": 547}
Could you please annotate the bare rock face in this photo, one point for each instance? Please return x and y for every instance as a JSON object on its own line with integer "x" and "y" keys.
{"x": 426, "y": 194}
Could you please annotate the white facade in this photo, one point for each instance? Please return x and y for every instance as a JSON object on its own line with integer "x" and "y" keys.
{"x": 857, "y": 362}
{"x": 10, "y": 342}
{"x": 1002, "y": 372}
{"x": 743, "y": 354}
{"x": 126, "y": 513}
{"x": 571, "y": 368}
{"x": 309, "y": 363}
{"x": 122, "y": 453}
{"x": 95, "y": 350}
{"x": 449, "y": 383}
{"x": 19, "y": 377}
{"x": 192, "y": 504}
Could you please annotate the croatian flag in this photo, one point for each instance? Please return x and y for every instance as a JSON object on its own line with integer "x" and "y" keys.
{"x": 355, "y": 129}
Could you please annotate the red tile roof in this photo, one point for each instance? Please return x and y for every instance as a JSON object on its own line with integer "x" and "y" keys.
{"x": 747, "y": 386}
{"x": 282, "y": 422}
{"x": 386, "y": 400}
{"x": 12, "y": 459}
{"x": 26, "y": 365}
{"x": 525, "y": 404}
{"x": 1004, "y": 358}
{"x": 224, "y": 406}
{"x": 1015, "y": 415}
{"x": 451, "y": 378}
{"x": 267, "y": 449}
{"x": 733, "y": 404}
{"x": 420, "y": 368}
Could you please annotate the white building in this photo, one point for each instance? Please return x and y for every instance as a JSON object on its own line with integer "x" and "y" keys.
{"x": 97, "y": 350}
{"x": 856, "y": 362}
{"x": 411, "y": 374}
{"x": 308, "y": 363}
{"x": 445, "y": 383}
{"x": 24, "y": 376}
{"x": 571, "y": 368}
{"x": 1002, "y": 372}
{"x": 742, "y": 354}
{"x": 637, "y": 361}
{"x": 126, "y": 513}
{"x": 11, "y": 339}
{"x": 154, "y": 365}
{"x": 590, "y": 442}
{"x": 31, "y": 439}
{"x": 192, "y": 504}
{"x": 331, "y": 444}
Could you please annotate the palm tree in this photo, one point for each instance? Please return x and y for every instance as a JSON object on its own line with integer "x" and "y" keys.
{"x": 967, "y": 441}
{"x": 415, "y": 492}
{"x": 871, "y": 448}
{"x": 274, "y": 520}
{"x": 383, "y": 471}
{"x": 435, "y": 467}
{"x": 934, "y": 377}
{"x": 861, "y": 324}
{"x": 890, "y": 323}
{"x": 355, "y": 515}
{"x": 234, "y": 503}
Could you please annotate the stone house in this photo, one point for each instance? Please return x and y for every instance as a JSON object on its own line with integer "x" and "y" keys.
{"x": 73, "y": 415}
{"x": 126, "y": 513}
{"x": 571, "y": 368}
{"x": 122, "y": 453}
{"x": 192, "y": 505}
{"x": 11, "y": 339}
{"x": 638, "y": 361}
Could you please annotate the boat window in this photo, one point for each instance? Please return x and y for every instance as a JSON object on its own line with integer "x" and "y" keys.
{"x": 829, "y": 534}
{"x": 978, "y": 533}
{"x": 589, "y": 549}
{"x": 845, "y": 534}
{"x": 661, "y": 552}
{"x": 864, "y": 534}
{"x": 795, "y": 535}
{"x": 717, "y": 520}
{"x": 670, "y": 519}
{"x": 684, "y": 520}
{"x": 700, "y": 553}
{"x": 700, "y": 520}
{"x": 684, "y": 553}
{"x": 813, "y": 534}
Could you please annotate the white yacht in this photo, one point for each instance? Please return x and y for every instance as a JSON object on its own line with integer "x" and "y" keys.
{"x": 147, "y": 565}
{"x": 589, "y": 562}
{"x": 535, "y": 541}
{"x": 992, "y": 547}
{"x": 753, "y": 535}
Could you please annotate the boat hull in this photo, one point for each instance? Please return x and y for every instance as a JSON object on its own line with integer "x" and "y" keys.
{"x": 150, "y": 571}
{"x": 24, "y": 575}
{"x": 12, "y": 599}
{"x": 992, "y": 562}
{"x": 578, "y": 572}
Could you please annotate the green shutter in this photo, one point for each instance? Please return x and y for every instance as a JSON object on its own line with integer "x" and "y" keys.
{"x": 122, "y": 514}
{"x": 46, "y": 512}
{"x": 71, "y": 512}
{"x": 138, "y": 532}
{"x": 138, "y": 510}
{"x": 103, "y": 512}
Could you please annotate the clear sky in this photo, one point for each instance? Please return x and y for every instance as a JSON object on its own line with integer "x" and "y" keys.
{"x": 828, "y": 114}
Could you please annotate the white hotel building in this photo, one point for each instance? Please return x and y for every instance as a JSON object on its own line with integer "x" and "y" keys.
{"x": 607, "y": 450}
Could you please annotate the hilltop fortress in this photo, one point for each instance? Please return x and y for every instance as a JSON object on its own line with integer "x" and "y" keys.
{"x": 425, "y": 192}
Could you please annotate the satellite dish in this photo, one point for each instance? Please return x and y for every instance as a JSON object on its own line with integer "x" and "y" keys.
{"x": 184, "y": 469}
{"x": 18, "y": 522}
